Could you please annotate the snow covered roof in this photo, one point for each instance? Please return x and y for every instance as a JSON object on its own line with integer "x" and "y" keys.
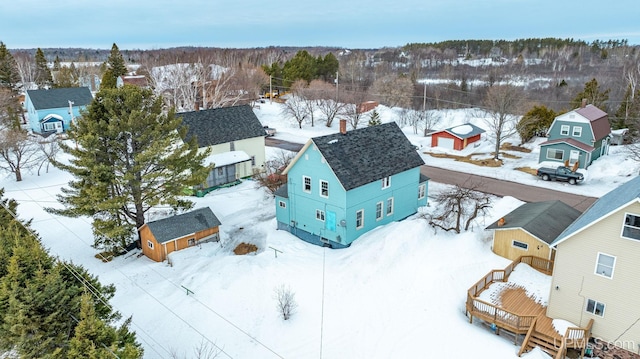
{"x": 227, "y": 158}
{"x": 463, "y": 131}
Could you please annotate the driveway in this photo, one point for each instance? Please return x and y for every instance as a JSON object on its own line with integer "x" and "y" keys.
{"x": 488, "y": 185}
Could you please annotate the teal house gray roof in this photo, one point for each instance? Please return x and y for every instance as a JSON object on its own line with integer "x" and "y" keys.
{"x": 606, "y": 204}
{"x": 545, "y": 220}
{"x": 368, "y": 154}
{"x": 221, "y": 125}
{"x": 60, "y": 97}
{"x": 170, "y": 228}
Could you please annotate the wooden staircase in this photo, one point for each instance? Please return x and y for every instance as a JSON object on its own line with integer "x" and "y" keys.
{"x": 542, "y": 334}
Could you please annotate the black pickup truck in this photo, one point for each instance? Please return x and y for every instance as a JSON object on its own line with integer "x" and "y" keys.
{"x": 561, "y": 173}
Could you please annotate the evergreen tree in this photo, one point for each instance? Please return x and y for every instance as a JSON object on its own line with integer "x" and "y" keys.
{"x": 130, "y": 157}
{"x": 535, "y": 122}
{"x": 43, "y": 74}
{"x": 67, "y": 77}
{"x": 593, "y": 94}
{"x": 56, "y": 64}
{"x": 301, "y": 67}
{"x": 327, "y": 67}
{"x": 108, "y": 80}
{"x": 116, "y": 62}
{"x": 374, "y": 118}
{"x": 9, "y": 74}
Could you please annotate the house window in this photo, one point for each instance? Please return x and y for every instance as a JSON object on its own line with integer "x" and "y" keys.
{"x": 324, "y": 188}
{"x": 191, "y": 242}
{"x": 232, "y": 146}
{"x": 595, "y": 307}
{"x": 577, "y": 131}
{"x": 564, "y": 130}
{"x": 253, "y": 160}
{"x": 282, "y": 204}
{"x": 554, "y": 154}
{"x": 360, "y": 219}
{"x": 49, "y": 126}
{"x": 390, "y": 206}
{"x": 386, "y": 182}
{"x": 306, "y": 183}
{"x": 150, "y": 244}
{"x": 220, "y": 171}
{"x": 320, "y": 215}
{"x": 422, "y": 191}
{"x": 605, "y": 265}
{"x": 520, "y": 245}
{"x": 631, "y": 227}
{"x": 378, "y": 211}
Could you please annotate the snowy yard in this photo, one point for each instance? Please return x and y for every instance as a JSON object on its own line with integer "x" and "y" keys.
{"x": 398, "y": 292}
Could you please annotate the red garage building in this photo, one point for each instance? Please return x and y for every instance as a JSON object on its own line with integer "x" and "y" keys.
{"x": 456, "y": 138}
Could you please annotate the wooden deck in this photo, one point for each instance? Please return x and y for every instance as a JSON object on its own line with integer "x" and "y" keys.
{"x": 512, "y": 309}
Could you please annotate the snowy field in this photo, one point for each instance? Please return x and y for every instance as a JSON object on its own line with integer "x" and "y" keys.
{"x": 397, "y": 292}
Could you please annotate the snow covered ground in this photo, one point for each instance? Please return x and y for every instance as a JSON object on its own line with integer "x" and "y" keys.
{"x": 397, "y": 292}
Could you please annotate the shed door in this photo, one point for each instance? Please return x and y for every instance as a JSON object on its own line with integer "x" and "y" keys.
{"x": 445, "y": 142}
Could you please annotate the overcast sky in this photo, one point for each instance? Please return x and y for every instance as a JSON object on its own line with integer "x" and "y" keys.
{"x": 152, "y": 24}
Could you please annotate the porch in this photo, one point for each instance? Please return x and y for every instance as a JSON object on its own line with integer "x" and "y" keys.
{"x": 511, "y": 308}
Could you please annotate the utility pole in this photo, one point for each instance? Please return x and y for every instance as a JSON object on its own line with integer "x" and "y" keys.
{"x": 337, "y": 84}
{"x": 270, "y": 89}
{"x": 424, "y": 98}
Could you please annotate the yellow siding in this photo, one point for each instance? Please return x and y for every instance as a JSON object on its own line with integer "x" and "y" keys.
{"x": 575, "y": 277}
{"x": 252, "y": 147}
{"x": 503, "y": 244}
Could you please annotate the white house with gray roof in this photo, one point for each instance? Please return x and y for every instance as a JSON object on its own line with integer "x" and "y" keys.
{"x": 597, "y": 267}
{"x": 343, "y": 185}
{"x": 235, "y": 137}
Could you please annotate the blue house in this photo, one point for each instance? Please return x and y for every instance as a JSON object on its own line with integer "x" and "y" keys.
{"x": 581, "y": 135}
{"x": 343, "y": 185}
{"x": 53, "y": 110}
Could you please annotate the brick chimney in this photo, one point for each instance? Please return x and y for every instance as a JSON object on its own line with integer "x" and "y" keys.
{"x": 343, "y": 126}
{"x": 197, "y": 106}
{"x": 584, "y": 103}
{"x": 501, "y": 222}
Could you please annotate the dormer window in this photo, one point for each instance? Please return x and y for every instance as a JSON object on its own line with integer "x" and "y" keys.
{"x": 386, "y": 182}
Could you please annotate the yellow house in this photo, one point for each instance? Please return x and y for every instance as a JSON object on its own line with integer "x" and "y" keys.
{"x": 529, "y": 229}
{"x": 596, "y": 269}
{"x": 161, "y": 237}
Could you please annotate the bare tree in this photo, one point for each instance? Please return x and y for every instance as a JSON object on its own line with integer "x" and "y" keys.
{"x": 501, "y": 106}
{"x": 425, "y": 120}
{"x": 459, "y": 206}
{"x": 205, "y": 350}
{"x": 393, "y": 90}
{"x": 271, "y": 178}
{"x": 308, "y": 97}
{"x": 286, "y": 301}
{"x": 26, "y": 68}
{"x": 633, "y": 151}
{"x": 295, "y": 106}
{"x": 17, "y": 151}
{"x": 352, "y": 109}
{"x": 49, "y": 148}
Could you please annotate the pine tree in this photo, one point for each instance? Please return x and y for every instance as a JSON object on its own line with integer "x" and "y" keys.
{"x": 301, "y": 67}
{"x": 593, "y": 95}
{"x": 536, "y": 121}
{"x": 67, "y": 77}
{"x": 43, "y": 74}
{"x": 374, "y": 118}
{"x": 108, "y": 80}
{"x": 9, "y": 74}
{"x": 56, "y": 64}
{"x": 130, "y": 157}
{"x": 116, "y": 62}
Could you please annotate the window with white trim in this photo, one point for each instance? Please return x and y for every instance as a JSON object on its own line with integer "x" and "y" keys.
{"x": 555, "y": 154}
{"x": 232, "y": 146}
{"x": 631, "y": 226}
{"x": 149, "y": 244}
{"x": 320, "y": 215}
{"x": 282, "y": 204}
{"x": 577, "y": 131}
{"x": 191, "y": 242}
{"x": 379, "y": 211}
{"x": 595, "y": 307}
{"x": 564, "y": 130}
{"x": 360, "y": 219}
{"x": 389, "y": 206}
{"x": 324, "y": 188}
{"x": 386, "y": 182}
{"x": 422, "y": 191}
{"x": 605, "y": 265}
{"x": 520, "y": 245}
{"x": 306, "y": 184}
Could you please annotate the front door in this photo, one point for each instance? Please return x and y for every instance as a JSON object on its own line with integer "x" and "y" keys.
{"x": 574, "y": 157}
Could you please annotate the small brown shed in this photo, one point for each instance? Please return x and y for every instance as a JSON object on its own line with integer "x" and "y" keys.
{"x": 161, "y": 237}
{"x": 529, "y": 229}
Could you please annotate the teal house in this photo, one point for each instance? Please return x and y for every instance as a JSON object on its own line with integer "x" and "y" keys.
{"x": 53, "y": 110}
{"x": 581, "y": 135}
{"x": 343, "y": 185}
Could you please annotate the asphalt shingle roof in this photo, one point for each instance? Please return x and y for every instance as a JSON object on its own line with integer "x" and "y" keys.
{"x": 366, "y": 155}
{"x": 222, "y": 125}
{"x": 168, "y": 229}
{"x": 60, "y": 97}
{"x": 545, "y": 220}
{"x": 599, "y": 120}
{"x": 603, "y": 206}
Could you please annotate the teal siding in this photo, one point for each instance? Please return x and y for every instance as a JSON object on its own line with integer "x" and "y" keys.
{"x": 582, "y": 157}
{"x": 585, "y": 136}
{"x": 282, "y": 213}
{"x": 35, "y": 116}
